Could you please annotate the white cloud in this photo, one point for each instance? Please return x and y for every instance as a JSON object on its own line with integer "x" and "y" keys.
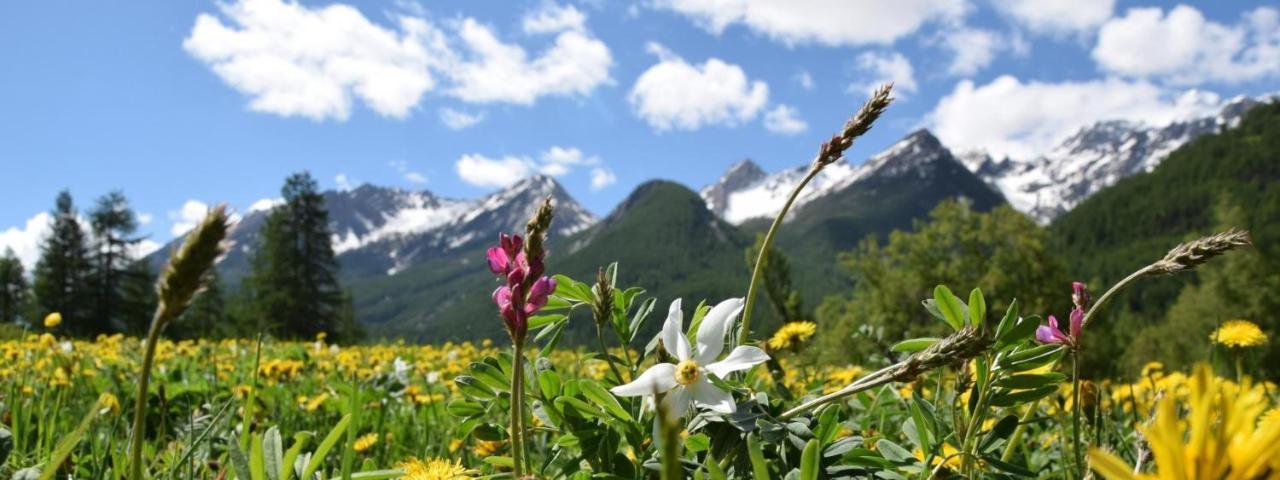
{"x": 145, "y": 218}
{"x": 192, "y": 212}
{"x": 1185, "y": 48}
{"x": 804, "y": 79}
{"x": 342, "y": 182}
{"x": 25, "y": 240}
{"x": 785, "y": 120}
{"x": 602, "y": 177}
{"x": 885, "y": 67}
{"x": 265, "y": 204}
{"x": 144, "y": 247}
{"x": 458, "y": 119}
{"x": 674, "y": 94}
{"x": 1057, "y": 17}
{"x": 314, "y": 62}
{"x": 552, "y": 18}
{"x": 1010, "y": 117}
{"x": 974, "y": 49}
{"x": 483, "y": 171}
{"x": 310, "y": 62}
{"x": 574, "y": 65}
{"x": 825, "y": 22}
{"x": 409, "y": 175}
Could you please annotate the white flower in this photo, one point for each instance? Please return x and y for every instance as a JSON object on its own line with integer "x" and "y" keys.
{"x": 400, "y": 369}
{"x": 687, "y": 381}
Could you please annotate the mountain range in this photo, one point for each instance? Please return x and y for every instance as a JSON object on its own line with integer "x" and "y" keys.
{"x": 412, "y": 259}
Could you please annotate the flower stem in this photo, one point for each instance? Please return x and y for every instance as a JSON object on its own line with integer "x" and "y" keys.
{"x": 745, "y": 332}
{"x": 517, "y": 410}
{"x": 604, "y": 349}
{"x": 876, "y": 379}
{"x": 1016, "y": 438}
{"x": 1075, "y": 413}
{"x": 140, "y": 402}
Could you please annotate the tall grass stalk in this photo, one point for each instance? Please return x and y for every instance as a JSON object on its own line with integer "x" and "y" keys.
{"x": 183, "y": 278}
{"x": 829, "y": 153}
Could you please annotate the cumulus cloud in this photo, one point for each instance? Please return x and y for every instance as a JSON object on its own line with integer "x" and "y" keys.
{"x": 458, "y": 119}
{"x": 883, "y": 67}
{"x": 825, "y": 22}
{"x": 804, "y": 80}
{"x": 973, "y": 49}
{"x": 311, "y": 62}
{"x": 315, "y": 62}
{"x": 184, "y": 219}
{"x": 145, "y": 218}
{"x": 601, "y": 178}
{"x": 483, "y": 171}
{"x": 342, "y": 182}
{"x": 1022, "y": 119}
{"x": 265, "y": 204}
{"x": 1057, "y": 17}
{"x": 1181, "y": 46}
{"x": 674, "y": 94}
{"x": 785, "y": 120}
{"x": 408, "y": 174}
{"x": 497, "y": 72}
{"x": 25, "y": 240}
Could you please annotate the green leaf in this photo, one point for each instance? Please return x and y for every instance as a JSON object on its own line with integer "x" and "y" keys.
{"x": 759, "y": 467}
{"x": 598, "y": 395}
{"x": 272, "y": 453}
{"x": 977, "y": 308}
{"x": 697, "y": 443}
{"x": 491, "y": 376}
{"x": 325, "y": 445}
{"x": 238, "y": 462}
{"x": 300, "y": 441}
{"x": 378, "y": 475}
{"x": 914, "y": 344}
{"x": 1008, "y": 321}
{"x": 1031, "y": 358}
{"x": 257, "y": 465}
{"x": 713, "y": 469}
{"x": 539, "y": 321}
{"x": 549, "y": 383}
{"x": 894, "y": 452}
{"x": 474, "y": 388}
{"x": 1030, "y": 380}
{"x": 68, "y": 443}
{"x": 464, "y": 408}
{"x": 1001, "y": 430}
{"x": 1023, "y": 330}
{"x": 572, "y": 290}
{"x": 1008, "y": 467}
{"x": 809, "y": 459}
{"x": 951, "y": 307}
{"x": 1009, "y": 399}
{"x": 505, "y": 462}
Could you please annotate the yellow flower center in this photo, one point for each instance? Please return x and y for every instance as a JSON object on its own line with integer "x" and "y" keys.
{"x": 686, "y": 372}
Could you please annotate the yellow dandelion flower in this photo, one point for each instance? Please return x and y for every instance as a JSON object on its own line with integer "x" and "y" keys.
{"x": 109, "y": 403}
{"x": 1220, "y": 436}
{"x": 1153, "y": 370}
{"x": 53, "y": 320}
{"x": 365, "y": 442}
{"x": 486, "y": 448}
{"x": 1238, "y": 334}
{"x": 455, "y": 444}
{"x": 791, "y": 335}
{"x": 434, "y": 469}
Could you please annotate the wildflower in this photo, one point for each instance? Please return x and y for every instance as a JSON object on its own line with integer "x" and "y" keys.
{"x": 791, "y": 335}
{"x": 687, "y": 380}
{"x": 365, "y": 442}
{"x": 1238, "y": 334}
{"x": 108, "y": 403}
{"x": 487, "y": 448}
{"x": 525, "y": 291}
{"x": 53, "y": 320}
{"x": 434, "y": 469}
{"x": 1080, "y": 295}
{"x": 1153, "y": 370}
{"x": 1052, "y": 334}
{"x": 1220, "y": 437}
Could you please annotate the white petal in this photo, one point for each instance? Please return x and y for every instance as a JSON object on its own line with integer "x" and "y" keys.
{"x": 673, "y": 338}
{"x": 657, "y": 379}
{"x": 706, "y": 394}
{"x": 714, "y": 326}
{"x": 741, "y": 358}
{"x": 677, "y": 402}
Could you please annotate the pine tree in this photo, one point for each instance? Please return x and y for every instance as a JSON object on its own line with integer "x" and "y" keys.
{"x": 207, "y": 316}
{"x": 13, "y": 287}
{"x": 113, "y": 225}
{"x": 138, "y": 297}
{"x": 294, "y": 281}
{"x": 778, "y": 289}
{"x": 62, "y": 273}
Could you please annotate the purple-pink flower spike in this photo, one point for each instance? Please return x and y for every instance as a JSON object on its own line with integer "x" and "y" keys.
{"x": 524, "y": 291}
{"x": 1052, "y": 334}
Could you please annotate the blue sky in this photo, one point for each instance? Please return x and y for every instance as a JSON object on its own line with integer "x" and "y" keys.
{"x": 191, "y": 103}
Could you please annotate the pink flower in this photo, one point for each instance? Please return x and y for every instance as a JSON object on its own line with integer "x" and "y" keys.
{"x": 524, "y": 291}
{"x": 1052, "y": 334}
{"x": 1080, "y": 295}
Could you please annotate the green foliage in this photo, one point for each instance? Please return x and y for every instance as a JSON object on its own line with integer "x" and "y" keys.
{"x": 1123, "y": 227}
{"x": 113, "y": 225}
{"x": 14, "y": 291}
{"x": 63, "y": 275}
{"x": 293, "y": 288}
{"x": 1002, "y": 250}
{"x": 786, "y": 301}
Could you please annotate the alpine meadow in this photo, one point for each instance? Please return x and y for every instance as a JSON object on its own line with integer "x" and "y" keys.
{"x": 1041, "y": 240}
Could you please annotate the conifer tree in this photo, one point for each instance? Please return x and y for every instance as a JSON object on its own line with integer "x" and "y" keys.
{"x": 113, "y": 225}
{"x": 62, "y": 273}
{"x": 207, "y": 316}
{"x": 13, "y": 287}
{"x": 138, "y": 297}
{"x": 293, "y": 283}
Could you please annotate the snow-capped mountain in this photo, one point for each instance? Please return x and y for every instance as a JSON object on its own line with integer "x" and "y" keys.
{"x": 1093, "y": 158}
{"x": 382, "y": 230}
{"x": 745, "y": 193}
